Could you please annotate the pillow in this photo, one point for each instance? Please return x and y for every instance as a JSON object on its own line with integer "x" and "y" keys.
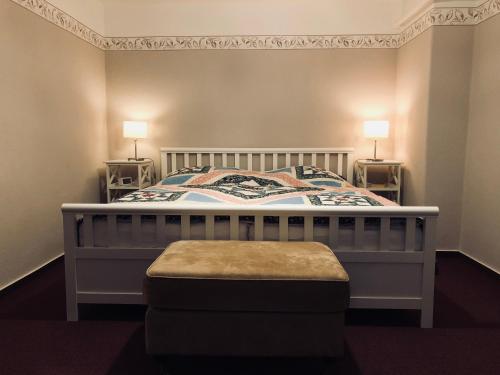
{"x": 180, "y": 176}
{"x": 313, "y": 175}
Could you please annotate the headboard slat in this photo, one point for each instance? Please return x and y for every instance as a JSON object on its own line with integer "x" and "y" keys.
{"x": 344, "y": 165}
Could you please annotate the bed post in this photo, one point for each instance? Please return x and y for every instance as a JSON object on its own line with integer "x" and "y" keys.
{"x": 70, "y": 242}
{"x": 429, "y": 248}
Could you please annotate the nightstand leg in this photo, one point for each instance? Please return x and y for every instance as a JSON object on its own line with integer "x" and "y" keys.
{"x": 139, "y": 176}
{"x": 399, "y": 184}
{"x": 108, "y": 184}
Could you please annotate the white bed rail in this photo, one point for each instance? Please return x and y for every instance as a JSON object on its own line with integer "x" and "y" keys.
{"x": 338, "y": 160}
{"x": 381, "y": 278}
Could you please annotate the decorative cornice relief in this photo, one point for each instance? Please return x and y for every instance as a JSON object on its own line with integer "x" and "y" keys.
{"x": 487, "y": 10}
{"x": 62, "y": 19}
{"x": 436, "y": 16}
{"x": 253, "y": 42}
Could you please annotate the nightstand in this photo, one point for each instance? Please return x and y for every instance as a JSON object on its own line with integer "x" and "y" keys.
{"x": 393, "y": 184}
{"x": 140, "y": 172}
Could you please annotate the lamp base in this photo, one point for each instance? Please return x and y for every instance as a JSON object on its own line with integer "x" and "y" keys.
{"x": 135, "y": 159}
{"x": 372, "y": 159}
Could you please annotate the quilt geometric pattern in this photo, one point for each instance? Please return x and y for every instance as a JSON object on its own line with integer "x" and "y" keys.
{"x": 301, "y": 185}
{"x": 342, "y": 199}
{"x": 151, "y": 195}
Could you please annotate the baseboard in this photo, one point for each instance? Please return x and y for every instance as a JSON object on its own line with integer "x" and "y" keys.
{"x": 60, "y": 255}
{"x": 470, "y": 257}
{"x": 481, "y": 262}
{"x": 30, "y": 272}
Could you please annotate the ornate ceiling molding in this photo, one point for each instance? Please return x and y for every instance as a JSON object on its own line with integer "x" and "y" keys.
{"x": 437, "y": 16}
{"x": 253, "y": 42}
{"x": 62, "y": 19}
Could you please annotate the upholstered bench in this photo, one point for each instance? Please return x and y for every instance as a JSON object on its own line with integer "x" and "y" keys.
{"x": 252, "y": 298}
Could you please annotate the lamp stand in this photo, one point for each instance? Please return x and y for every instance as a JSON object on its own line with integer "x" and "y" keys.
{"x": 375, "y": 153}
{"x": 135, "y": 149}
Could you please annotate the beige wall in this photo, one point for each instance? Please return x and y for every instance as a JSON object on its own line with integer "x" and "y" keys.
{"x": 412, "y": 102}
{"x": 447, "y": 128}
{"x": 250, "y": 98}
{"x": 481, "y": 203}
{"x": 53, "y": 135}
{"x": 432, "y": 101}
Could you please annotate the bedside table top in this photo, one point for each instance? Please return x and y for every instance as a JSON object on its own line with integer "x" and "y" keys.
{"x": 382, "y": 162}
{"x": 129, "y": 162}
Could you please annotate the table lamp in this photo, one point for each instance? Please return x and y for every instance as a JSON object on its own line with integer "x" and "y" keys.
{"x": 135, "y": 130}
{"x": 376, "y": 130}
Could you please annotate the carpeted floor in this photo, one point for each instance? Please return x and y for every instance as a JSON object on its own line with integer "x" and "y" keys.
{"x": 36, "y": 339}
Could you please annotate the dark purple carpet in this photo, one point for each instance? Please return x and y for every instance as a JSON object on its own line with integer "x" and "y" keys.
{"x": 36, "y": 339}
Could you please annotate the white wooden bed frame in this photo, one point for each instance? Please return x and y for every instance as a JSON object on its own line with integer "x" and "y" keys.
{"x": 382, "y": 279}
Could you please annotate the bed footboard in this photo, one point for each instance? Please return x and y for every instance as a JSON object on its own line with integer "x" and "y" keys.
{"x": 386, "y": 277}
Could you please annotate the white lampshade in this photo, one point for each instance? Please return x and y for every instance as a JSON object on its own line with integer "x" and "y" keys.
{"x": 135, "y": 129}
{"x": 376, "y": 129}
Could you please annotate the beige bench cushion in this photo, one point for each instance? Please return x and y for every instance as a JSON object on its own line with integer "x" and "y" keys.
{"x": 246, "y": 260}
{"x": 247, "y": 276}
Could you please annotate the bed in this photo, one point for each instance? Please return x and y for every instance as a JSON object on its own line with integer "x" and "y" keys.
{"x": 253, "y": 194}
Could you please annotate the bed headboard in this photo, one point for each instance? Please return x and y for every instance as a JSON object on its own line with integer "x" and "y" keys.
{"x": 338, "y": 160}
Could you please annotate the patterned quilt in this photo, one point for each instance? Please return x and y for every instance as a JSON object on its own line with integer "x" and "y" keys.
{"x": 301, "y": 185}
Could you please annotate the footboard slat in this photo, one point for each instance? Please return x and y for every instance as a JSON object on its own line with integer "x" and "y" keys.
{"x": 259, "y": 228}
{"x": 234, "y": 227}
{"x": 136, "y": 228}
{"x": 333, "y": 231}
{"x": 359, "y": 232}
{"x": 385, "y": 227}
{"x": 209, "y": 227}
{"x": 283, "y": 228}
{"x": 161, "y": 235}
{"x": 410, "y": 234}
{"x": 88, "y": 230}
{"x": 185, "y": 227}
{"x": 112, "y": 230}
{"x": 308, "y": 228}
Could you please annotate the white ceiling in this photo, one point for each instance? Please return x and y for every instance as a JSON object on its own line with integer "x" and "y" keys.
{"x": 244, "y": 17}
